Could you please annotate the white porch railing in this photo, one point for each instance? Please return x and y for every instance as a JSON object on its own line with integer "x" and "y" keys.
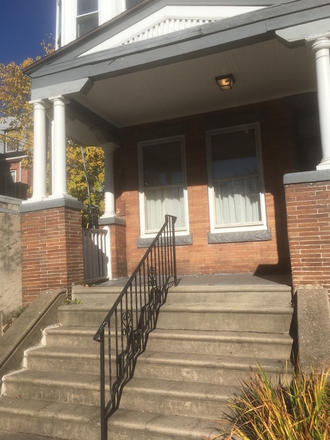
{"x": 97, "y": 254}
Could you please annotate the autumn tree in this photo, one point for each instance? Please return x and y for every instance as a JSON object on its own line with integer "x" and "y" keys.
{"x": 14, "y": 103}
{"x": 85, "y": 179}
{"x": 84, "y": 183}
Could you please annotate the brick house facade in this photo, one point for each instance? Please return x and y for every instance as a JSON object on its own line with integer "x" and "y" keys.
{"x": 175, "y": 143}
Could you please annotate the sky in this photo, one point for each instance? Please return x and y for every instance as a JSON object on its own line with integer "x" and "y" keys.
{"x": 24, "y": 24}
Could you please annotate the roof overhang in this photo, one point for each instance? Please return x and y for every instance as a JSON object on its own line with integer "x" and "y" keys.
{"x": 173, "y": 76}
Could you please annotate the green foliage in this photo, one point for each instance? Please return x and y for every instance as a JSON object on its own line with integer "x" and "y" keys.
{"x": 296, "y": 410}
{"x": 70, "y": 301}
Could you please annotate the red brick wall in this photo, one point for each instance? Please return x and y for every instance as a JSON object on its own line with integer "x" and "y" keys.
{"x": 308, "y": 208}
{"x": 203, "y": 258}
{"x": 52, "y": 253}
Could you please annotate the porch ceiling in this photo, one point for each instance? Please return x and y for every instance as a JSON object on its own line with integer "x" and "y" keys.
{"x": 262, "y": 71}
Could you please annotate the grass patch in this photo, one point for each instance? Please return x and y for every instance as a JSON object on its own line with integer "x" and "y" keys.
{"x": 293, "y": 410}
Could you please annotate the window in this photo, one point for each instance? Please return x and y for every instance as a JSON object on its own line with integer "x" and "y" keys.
{"x": 162, "y": 184}
{"x": 87, "y": 16}
{"x": 10, "y": 180}
{"x": 236, "y": 194}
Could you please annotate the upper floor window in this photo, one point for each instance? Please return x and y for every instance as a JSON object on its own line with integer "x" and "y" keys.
{"x": 87, "y": 16}
{"x": 236, "y": 190}
{"x": 163, "y": 188}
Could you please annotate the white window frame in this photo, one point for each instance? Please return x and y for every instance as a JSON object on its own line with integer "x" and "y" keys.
{"x": 257, "y": 226}
{"x": 97, "y": 11}
{"x": 178, "y": 231}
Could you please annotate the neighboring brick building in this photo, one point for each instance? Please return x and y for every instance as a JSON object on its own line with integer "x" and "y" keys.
{"x": 15, "y": 179}
{"x": 201, "y": 109}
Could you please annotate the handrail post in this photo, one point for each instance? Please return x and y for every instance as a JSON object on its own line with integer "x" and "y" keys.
{"x": 104, "y": 424}
{"x": 174, "y": 252}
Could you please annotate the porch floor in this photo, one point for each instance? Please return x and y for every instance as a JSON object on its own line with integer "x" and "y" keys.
{"x": 220, "y": 280}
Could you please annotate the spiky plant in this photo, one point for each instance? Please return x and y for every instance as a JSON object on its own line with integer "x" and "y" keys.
{"x": 292, "y": 410}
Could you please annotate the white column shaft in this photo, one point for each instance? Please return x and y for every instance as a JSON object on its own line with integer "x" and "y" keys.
{"x": 59, "y": 148}
{"x": 322, "y": 58}
{"x": 109, "y": 183}
{"x": 39, "y": 151}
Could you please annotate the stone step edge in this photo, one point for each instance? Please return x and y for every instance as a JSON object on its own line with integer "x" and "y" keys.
{"x": 47, "y": 409}
{"x": 190, "y": 335}
{"x": 12, "y": 435}
{"x": 189, "y": 308}
{"x": 155, "y": 387}
{"x": 224, "y": 361}
{"x": 175, "y": 427}
{"x": 248, "y": 288}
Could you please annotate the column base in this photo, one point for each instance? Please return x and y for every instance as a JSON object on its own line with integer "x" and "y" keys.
{"x": 38, "y": 204}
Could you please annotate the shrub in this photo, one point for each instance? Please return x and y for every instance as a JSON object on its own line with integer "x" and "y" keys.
{"x": 295, "y": 410}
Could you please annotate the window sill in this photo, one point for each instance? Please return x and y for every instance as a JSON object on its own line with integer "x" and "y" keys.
{"x": 180, "y": 240}
{"x": 239, "y": 237}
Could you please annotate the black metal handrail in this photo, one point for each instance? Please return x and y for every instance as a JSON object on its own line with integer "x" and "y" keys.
{"x": 124, "y": 332}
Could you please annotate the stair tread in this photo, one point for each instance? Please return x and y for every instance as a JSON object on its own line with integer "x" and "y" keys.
{"x": 9, "y": 435}
{"x": 49, "y": 409}
{"x": 214, "y": 307}
{"x": 90, "y": 352}
{"x": 162, "y": 356}
{"x": 211, "y": 360}
{"x": 89, "y": 381}
{"x": 177, "y": 426}
{"x": 214, "y": 335}
{"x": 193, "y": 390}
{"x": 207, "y": 335}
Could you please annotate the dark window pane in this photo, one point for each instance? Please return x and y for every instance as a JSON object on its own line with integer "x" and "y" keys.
{"x": 86, "y": 6}
{"x": 234, "y": 154}
{"x": 162, "y": 164}
{"x": 86, "y": 24}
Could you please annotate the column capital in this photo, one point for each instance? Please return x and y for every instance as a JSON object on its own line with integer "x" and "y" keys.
{"x": 319, "y": 44}
{"x": 39, "y": 104}
{"x": 59, "y": 98}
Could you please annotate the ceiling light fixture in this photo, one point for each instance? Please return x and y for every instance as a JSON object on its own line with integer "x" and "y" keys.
{"x": 225, "y": 82}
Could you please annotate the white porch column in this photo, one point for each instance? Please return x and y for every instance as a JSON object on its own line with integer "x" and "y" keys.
{"x": 39, "y": 151}
{"x": 322, "y": 57}
{"x": 59, "y": 187}
{"x": 109, "y": 194}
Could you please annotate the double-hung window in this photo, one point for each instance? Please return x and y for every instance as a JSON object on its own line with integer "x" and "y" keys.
{"x": 87, "y": 16}
{"x": 236, "y": 189}
{"x": 162, "y": 184}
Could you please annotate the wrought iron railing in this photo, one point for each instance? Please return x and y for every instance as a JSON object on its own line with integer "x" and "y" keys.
{"x": 124, "y": 332}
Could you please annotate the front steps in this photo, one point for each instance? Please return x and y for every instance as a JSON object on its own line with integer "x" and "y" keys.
{"x": 207, "y": 338}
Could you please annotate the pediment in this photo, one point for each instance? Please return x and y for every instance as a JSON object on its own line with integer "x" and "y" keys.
{"x": 168, "y": 19}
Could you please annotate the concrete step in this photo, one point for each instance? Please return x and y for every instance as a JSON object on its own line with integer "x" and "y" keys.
{"x": 71, "y": 337}
{"x": 64, "y": 359}
{"x": 175, "y": 398}
{"x": 184, "y": 367}
{"x": 137, "y": 425}
{"x": 69, "y": 387}
{"x": 229, "y": 317}
{"x": 259, "y": 345}
{"x": 276, "y": 345}
{"x": 192, "y": 316}
{"x": 50, "y": 419}
{"x": 262, "y": 295}
{"x": 10, "y": 435}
